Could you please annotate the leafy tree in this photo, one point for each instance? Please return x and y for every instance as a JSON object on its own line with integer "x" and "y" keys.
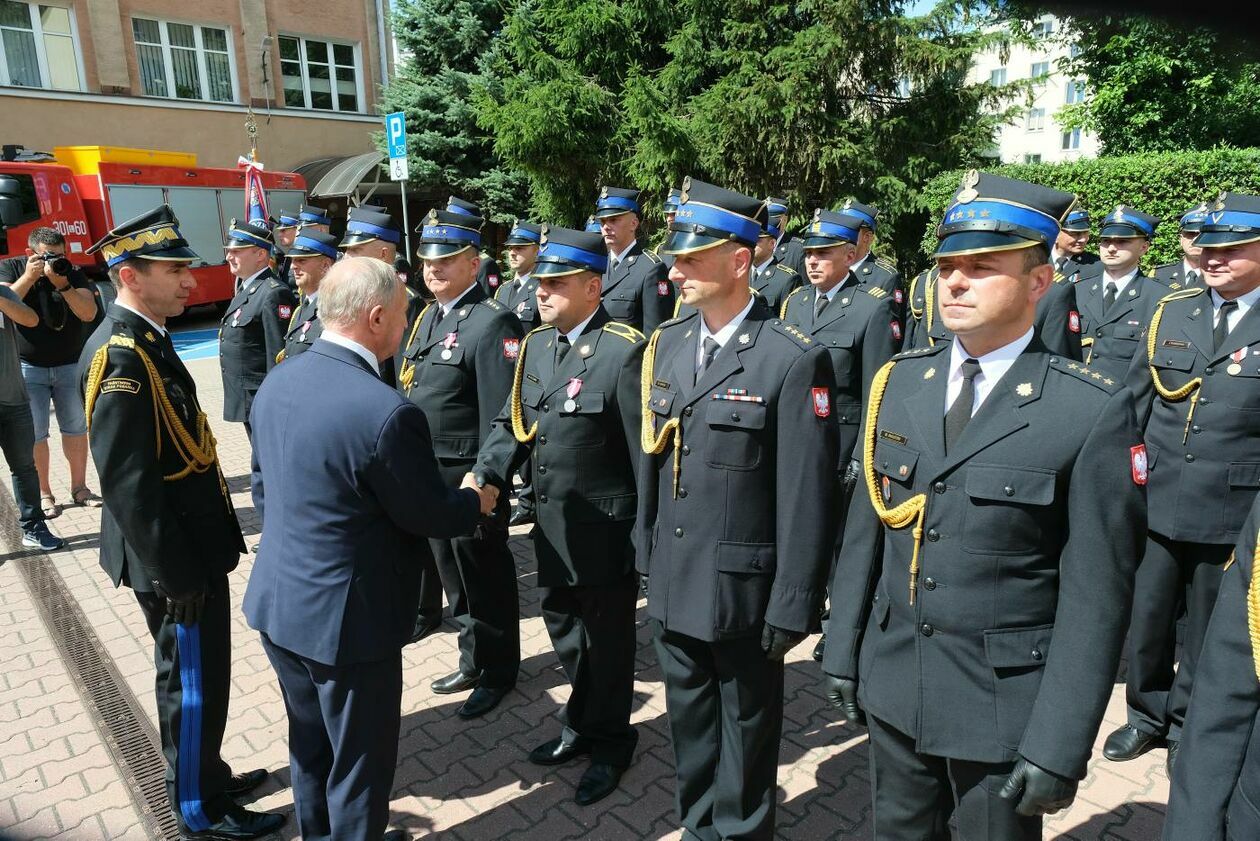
{"x": 446, "y": 44}
{"x": 814, "y": 100}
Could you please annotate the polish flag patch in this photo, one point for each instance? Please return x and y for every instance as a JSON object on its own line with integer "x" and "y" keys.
{"x": 898, "y": 297}
{"x": 493, "y": 279}
{"x": 1074, "y": 321}
{"x": 822, "y": 402}
{"x": 511, "y": 348}
{"x": 284, "y": 310}
{"x": 662, "y": 288}
{"x": 895, "y": 326}
{"x": 1137, "y": 460}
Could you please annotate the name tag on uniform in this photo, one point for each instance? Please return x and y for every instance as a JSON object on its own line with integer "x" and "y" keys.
{"x": 1174, "y": 343}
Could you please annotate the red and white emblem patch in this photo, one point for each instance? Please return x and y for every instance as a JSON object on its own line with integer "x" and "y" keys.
{"x": 1137, "y": 460}
{"x": 662, "y": 288}
{"x": 1074, "y": 321}
{"x": 494, "y": 280}
{"x": 511, "y": 348}
{"x": 895, "y": 326}
{"x": 898, "y": 296}
{"x": 285, "y": 310}
{"x": 822, "y": 402}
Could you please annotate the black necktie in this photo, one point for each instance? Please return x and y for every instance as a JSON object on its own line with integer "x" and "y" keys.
{"x": 1109, "y": 296}
{"x": 1221, "y": 332}
{"x": 1192, "y": 277}
{"x": 820, "y": 305}
{"x": 1059, "y": 264}
{"x": 959, "y": 414}
{"x": 710, "y": 350}
{"x": 613, "y": 264}
{"x": 562, "y": 349}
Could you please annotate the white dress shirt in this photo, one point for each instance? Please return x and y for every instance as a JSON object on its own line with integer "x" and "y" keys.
{"x": 241, "y": 284}
{"x": 576, "y": 333}
{"x": 161, "y": 330}
{"x": 346, "y": 342}
{"x": 1120, "y": 282}
{"x": 993, "y": 366}
{"x": 724, "y": 334}
{"x": 1245, "y": 303}
{"x": 446, "y": 308}
{"x": 621, "y": 258}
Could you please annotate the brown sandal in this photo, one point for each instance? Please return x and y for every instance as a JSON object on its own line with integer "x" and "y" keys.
{"x": 83, "y": 496}
{"x": 48, "y": 504}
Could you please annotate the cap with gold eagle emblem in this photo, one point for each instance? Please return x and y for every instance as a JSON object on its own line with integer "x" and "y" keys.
{"x": 996, "y": 213}
{"x": 1233, "y": 220}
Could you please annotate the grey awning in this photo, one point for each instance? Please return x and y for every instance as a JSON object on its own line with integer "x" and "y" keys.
{"x": 337, "y": 177}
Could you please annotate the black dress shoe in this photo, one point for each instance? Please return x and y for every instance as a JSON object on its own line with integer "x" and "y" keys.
{"x": 522, "y": 517}
{"x": 1128, "y": 743}
{"x": 599, "y": 781}
{"x": 482, "y": 701}
{"x": 425, "y": 625}
{"x": 820, "y": 648}
{"x": 455, "y": 682}
{"x": 241, "y": 784}
{"x": 1173, "y": 746}
{"x": 240, "y": 824}
{"x": 558, "y": 751}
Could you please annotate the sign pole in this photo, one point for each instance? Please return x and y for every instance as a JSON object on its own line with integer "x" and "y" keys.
{"x": 406, "y": 224}
{"x": 396, "y": 143}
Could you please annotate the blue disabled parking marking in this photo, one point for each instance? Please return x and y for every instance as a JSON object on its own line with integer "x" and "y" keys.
{"x": 196, "y": 344}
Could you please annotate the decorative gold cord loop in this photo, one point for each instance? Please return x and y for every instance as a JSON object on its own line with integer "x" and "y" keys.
{"x": 652, "y": 442}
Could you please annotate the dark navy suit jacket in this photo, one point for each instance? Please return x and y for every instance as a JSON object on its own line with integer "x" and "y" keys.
{"x": 347, "y": 486}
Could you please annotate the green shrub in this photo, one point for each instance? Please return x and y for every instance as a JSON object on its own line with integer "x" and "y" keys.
{"x": 1163, "y": 184}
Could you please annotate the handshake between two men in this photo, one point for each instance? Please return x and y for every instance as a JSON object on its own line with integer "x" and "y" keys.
{"x": 486, "y": 492}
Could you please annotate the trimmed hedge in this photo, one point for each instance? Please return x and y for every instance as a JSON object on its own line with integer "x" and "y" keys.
{"x": 1163, "y": 184}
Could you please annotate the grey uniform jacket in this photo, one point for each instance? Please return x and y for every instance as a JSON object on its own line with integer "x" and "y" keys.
{"x": 1032, "y": 527}
{"x": 745, "y": 534}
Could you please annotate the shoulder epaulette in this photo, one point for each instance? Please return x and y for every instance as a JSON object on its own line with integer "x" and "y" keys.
{"x": 875, "y": 291}
{"x": 921, "y": 351}
{"x": 493, "y": 304}
{"x": 791, "y": 332}
{"x": 886, "y": 264}
{"x": 275, "y": 284}
{"x": 1181, "y": 295}
{"x": 540, "y": 329}
{"x": 651, "y": 255}
{"x": 784, "y": 268}
{"x": 122, "y": 341}
{"x": 1083, "y": 372}
{"x": 624, "y": 331}
{"x": 784, "y": 308}
{"x": 676, "y": 320}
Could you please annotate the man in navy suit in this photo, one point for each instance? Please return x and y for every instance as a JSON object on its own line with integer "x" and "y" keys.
{"x": 345, "y": 480}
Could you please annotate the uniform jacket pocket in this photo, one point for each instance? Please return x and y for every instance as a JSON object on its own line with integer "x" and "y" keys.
{"x": 1009, "y": 508}
{"x": 734, "y": 434}
{"x": 744, "y": 576}
{"x": 1017, "y": 656}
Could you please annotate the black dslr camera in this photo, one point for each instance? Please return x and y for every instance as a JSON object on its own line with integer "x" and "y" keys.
{"x": 60, "y": 264}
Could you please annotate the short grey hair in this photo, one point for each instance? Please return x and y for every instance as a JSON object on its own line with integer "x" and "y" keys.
{"x": 352, "y": 287}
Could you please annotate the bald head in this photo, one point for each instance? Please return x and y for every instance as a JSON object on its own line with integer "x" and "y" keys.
{"x": 362, "y": 299}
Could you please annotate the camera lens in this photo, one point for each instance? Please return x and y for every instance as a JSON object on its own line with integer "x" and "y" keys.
{"x": 62, "y": 266}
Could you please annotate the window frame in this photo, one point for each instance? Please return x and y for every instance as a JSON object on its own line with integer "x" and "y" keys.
{"x": 1070, "y": 141}
{"x": 360, "y": 96}
{"x": 199, "y": 49}
{"x": 41, "y": 54}
{"x": 1034, "y": 75}
{"x": 1073, "y": 92}
{"x": 1040, "y": 123}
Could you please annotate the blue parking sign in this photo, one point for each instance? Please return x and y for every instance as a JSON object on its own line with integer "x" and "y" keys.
{"x": 396, "y": 134}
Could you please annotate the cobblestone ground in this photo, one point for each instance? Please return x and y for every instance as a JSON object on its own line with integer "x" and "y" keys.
{"x": 455, "y": 780}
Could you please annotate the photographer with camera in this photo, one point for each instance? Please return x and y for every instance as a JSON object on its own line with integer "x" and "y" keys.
{"x": 63, "y": 299}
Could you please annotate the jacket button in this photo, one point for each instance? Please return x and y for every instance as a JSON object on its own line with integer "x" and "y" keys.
{"x": 929, "y": 584}
{"x": 927, "y": 630}
{"x": 542, "y": 470}
{"x": 735, "y": 416}
{"x": 939, "y": 487}
{"x": 687, "y": 411}
{"x": 1036, "y": 653}
{"x": 1008, "y": 490}
{"x": 686, "y": 450}
{"x": 682, "y": 493}
{"x": 933, "y": 535}
{"x": 1209, "y": 370}
{"x": 543, "y": 499}
{"x": 546, "y": 408}
{"x": 542, "y": 439}
{"x": 1189, "y": 456}
{"x": 1204, "y": 402}
{"x": 1097, "y": 333}
{"x": 678, "y": 532}
{"x": 1196, "y": 428}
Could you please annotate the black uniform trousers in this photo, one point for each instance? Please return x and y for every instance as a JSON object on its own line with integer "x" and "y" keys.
{"x": 592, "y": 630}
{"x": 478, "y": 574}
{"x": 343, "y": 742}
{"x": 914, "y": 795}
{"x": 430, "y": 587}
{"x": 725, "y": 704}
{"x": 1174, "y": 577}
{"x": 194, "y": 677}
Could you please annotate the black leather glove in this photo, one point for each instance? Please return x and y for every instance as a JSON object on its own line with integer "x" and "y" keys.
{"x": 777, "y": 642}
{"x": 841, "y": 693}
{"x": 643, "y": 584}
{"x": 1044, "y": 792}
{"x": 186, "y": 610}
{"x": 849, "y": 481}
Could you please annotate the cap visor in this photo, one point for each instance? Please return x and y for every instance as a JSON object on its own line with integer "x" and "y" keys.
{"x": 686, "y": 242}
{"x": 542, "y": 269}
{"x": 609, "y": 212}
{"x": 519, "y": 241}
{"x": 1219, "y": 239}
{"x": 438, "y": 250}
{"x": 1120, "y": 231}
{"x": 979, "y": 242}
{"x": 355, "y": 239}
{"x": 297, "y": 252}
{"x": 234, "y": 244}
{"x": 824, "y": 242}
{"x": 180, "y": 253}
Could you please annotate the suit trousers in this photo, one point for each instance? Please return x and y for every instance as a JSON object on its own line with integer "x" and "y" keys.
{"x": 478, "y": 574}
{"x": 193, "y": 680}
{"x": 725, "y": 704}
{"x": 1174, "y": 576}
{"x": 430, "y": 586}
{"x": 343, "y": 742}
{"x": 914, "y": 795}
{"x": 592, "y": 630}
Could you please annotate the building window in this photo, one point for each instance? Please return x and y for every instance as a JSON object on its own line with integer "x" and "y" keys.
{"x": 1043, "y": 28}
{"x": 38, "y": 47}
{"x": 1074, "y": 92}
{"x": 997, "y": 78}
{"x": 1040, "y": 70}
{"x": 1032, "y": 158}
{"x": 1036, "y": 120}
{"x": 1072, "y": 139}
{"x": 904, "y": 88}
{"x": 319, "y": 74}
{"x": 184, "y": 61}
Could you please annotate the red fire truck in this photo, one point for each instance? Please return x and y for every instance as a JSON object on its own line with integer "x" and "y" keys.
{"x": 83, "y": 191}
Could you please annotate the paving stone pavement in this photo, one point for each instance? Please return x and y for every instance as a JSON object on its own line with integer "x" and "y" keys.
{"x": 454, "y": 780}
